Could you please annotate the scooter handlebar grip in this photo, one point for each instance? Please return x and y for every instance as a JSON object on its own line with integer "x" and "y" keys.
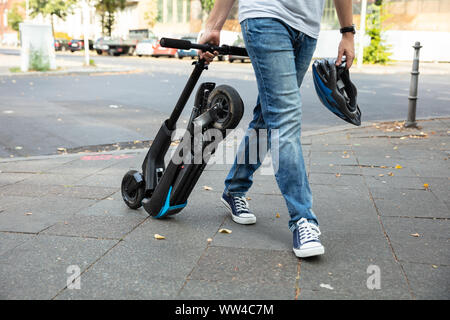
{"x": 238, "y": 51}
{"x": 175, "y": 43}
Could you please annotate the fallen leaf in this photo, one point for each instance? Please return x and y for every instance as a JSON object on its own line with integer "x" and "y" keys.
{"x": 381, "y": 175}
{"x": 279, "y": 265}
{"x": 338, "y": 175}
{"x": 207, "y": 188}
{"x": 416, "y": 235}
{"x": 395, "y": 148}
{"x": 390, "y": 174}
{"x": 225, "y": 231}
{"x": 159, "y": 237}
{"x": 398, "y": 167}
{"x": 28, "y": 213}
{"x": 248, "y": 198}
{"x": 209, "y": 240}
{"x": 403, "y": 138}
{"x": 426, "y": 186}
{"x": 277, "y": 215}
{"x": 434, "y": 266}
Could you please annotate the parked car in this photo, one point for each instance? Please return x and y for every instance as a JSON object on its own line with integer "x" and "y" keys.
{"x": 77, "y": 45}
{"x": 115, "y": 46}
{"x": 161, "y": 51}
{"x": 180, "y": 54}
{"x": 238, "y": 43}
{"x": 145, "y": 47}
{"x": 61, "y": 45}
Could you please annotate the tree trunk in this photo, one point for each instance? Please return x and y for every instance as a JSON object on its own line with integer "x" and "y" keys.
{"x": 53, "y": 27}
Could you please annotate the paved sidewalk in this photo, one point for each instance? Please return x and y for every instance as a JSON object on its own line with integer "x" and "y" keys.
{"x": 381, "y": 195}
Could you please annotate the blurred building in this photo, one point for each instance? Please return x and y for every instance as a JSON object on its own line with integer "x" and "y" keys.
{"x": 408, "y": 21}
{"x": 7, "y": 34}
{"x": 427, "y": 21}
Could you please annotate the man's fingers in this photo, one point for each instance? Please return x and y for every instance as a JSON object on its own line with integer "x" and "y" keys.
{"x": 349, "y": 61}
{"x": 208, "y": 56}
{"x": 339, "y": 57}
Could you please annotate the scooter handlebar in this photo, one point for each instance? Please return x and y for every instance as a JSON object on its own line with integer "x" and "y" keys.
{"x": 186, "y": 45}
{"x": 175, "y": 43}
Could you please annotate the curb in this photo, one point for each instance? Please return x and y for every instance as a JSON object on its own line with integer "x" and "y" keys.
{"x": 70, "y": 72}
{"x": 136, "y": 151}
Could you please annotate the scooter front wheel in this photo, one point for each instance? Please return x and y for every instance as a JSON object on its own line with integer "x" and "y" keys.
{"x": 230, "y": 107}
{"x": 133, "y": 189}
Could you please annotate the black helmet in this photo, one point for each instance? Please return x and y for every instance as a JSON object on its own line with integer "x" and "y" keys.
{"x": 335, "y": 90}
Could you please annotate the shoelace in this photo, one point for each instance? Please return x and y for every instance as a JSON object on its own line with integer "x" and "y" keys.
{"x": 241, "y": 204}
{"x": 308, "y": 231}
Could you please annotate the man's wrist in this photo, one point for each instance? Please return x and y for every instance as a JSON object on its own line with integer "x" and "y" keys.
{"x": 348, "y": 29}
{"x": 348, "y": 35}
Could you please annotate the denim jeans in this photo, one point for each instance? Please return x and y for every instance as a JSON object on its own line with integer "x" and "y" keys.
{"x": 280, "y": 56}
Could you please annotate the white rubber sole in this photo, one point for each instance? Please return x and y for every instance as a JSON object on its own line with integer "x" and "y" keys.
{"x": 310, "y": 252}
{"x": 240, "y": 220}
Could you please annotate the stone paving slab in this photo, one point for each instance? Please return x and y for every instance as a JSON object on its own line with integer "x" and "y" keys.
{"x": 36, "y": 214}
{"x": 237, "y": 290}
{"x": 419, "y": 240}
{"x": 72, "y": 191}
{"x": 244, "y": 265}
{"x": 9, "y": 241}
{"x": 409, "y": 202}
{"x": 11, "y": 178}
{"x": 428, "y": 282}
{"x": 348, "y": 279}
{"x": 38, "y": 268}
{"x": 99, "y": 227}
{"x": 367, "y": 218}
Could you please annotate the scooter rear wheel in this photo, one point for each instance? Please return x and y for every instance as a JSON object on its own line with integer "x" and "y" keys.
{"x": 133, "y": 189}
{"x": 229, "y": 105}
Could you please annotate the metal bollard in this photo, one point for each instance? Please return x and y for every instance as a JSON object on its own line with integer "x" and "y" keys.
{"x": 411, "y": 121}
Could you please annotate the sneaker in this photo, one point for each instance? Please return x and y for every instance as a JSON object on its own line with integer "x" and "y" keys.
{"x": 306, "y": 239}
{"x": 238, "y": 207}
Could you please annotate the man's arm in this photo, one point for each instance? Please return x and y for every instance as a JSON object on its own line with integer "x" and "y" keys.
{"x": 214, "y": 24}
{"x": 346, "y": 46}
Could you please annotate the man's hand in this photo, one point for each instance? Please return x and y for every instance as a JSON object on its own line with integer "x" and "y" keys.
{"x": 210, "y": 37}
{"x": 347, "y": 49}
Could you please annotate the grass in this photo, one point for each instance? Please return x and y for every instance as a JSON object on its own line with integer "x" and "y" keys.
{"x": 15, "y": 69}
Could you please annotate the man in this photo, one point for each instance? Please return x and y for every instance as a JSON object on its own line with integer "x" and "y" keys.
{"x": 280, "y": 37}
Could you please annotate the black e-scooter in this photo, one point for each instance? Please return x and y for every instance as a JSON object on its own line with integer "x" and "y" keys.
{"x": 163, "y": 190}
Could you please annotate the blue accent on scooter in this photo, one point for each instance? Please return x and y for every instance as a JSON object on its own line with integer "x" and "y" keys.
{"x": 166, "y": 208}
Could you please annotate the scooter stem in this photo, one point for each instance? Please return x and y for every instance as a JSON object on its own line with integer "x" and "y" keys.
{"x": 187, "y": 91}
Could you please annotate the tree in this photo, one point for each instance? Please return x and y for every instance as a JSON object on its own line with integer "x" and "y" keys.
{"x": 377, "y": 51}
{"x": 15, "y": 17}
{"x": 207, "y": 5}
{"x": 107, "y": 10}
{"x": 150, "y": 8}
{"x": 52, "y": 8}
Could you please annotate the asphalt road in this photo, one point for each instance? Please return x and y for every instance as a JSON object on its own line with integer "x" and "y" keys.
{"x": 39, "y": 114}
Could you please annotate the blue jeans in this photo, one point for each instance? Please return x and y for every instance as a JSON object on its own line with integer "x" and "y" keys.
{"x": 280, "y": 56}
